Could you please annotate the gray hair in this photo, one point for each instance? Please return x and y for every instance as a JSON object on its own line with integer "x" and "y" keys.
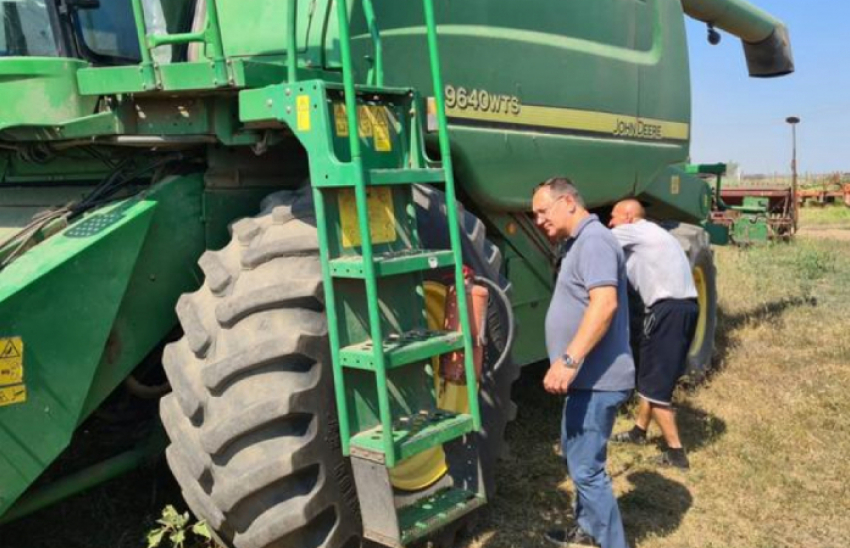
{"x": 561, "y": 186}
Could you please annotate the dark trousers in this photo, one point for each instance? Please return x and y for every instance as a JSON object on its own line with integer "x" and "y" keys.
{"x": 587, "y": 423}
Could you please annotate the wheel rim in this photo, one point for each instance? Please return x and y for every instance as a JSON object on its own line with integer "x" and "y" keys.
{"x": 702, "y": 320}
{"x": 425, "y": 469}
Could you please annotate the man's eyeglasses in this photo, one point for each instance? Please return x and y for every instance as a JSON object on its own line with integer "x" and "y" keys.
{"x": 543, "y": 213}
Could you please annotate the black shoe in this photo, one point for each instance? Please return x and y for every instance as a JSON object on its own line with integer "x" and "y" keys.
{"x": 569, "y": 538}
{"x": 674, "y": 458}
{"x": 635, "y": 435}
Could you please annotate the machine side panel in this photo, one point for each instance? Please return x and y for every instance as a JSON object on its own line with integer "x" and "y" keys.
{"x": 545, "y": 87}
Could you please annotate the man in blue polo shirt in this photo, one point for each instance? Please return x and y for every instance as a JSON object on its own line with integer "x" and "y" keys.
{"x": 587, "y": 338}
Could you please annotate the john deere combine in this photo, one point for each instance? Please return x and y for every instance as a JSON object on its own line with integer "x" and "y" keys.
{"x": 329, "y": 199}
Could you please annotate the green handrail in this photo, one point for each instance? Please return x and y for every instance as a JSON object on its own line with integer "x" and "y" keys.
{"x": 213, "y": 39}
{"x": 372, "y": 22}
{"x": 210, "y": 36}
{"x": 148, "y": 73}
{"x": 365, "y": 236}
{"x": 291, "y": 42}
{"x": 333, "y": 332}
{"x": 454, "y": 230}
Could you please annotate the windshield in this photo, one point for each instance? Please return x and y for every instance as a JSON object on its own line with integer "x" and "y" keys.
{"x": 26, "y": 29}
{"x": 110, "y": 30}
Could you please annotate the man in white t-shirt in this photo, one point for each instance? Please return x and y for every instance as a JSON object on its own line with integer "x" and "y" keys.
{"x": 659, "y": 271}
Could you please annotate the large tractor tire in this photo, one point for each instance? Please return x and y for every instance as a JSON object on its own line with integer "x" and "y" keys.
{"x": 251, "y": 419}
{"x": 697, "y": 246}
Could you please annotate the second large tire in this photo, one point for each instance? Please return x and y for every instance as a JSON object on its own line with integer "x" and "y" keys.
{"x": 697, "y": 246}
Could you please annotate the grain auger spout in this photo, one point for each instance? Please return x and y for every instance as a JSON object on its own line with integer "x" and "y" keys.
{"x": 767, "y": 45}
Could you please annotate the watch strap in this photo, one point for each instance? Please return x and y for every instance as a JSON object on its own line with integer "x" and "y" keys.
{"x": 569, "y": 362}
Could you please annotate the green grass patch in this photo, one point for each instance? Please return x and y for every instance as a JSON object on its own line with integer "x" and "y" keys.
{"x": 825, "y": 216}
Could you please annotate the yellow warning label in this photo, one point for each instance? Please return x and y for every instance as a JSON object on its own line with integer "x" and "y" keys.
{"x": 675, "y": 184}
{"x": 364, "y": 122}
{"x": 302, "y": 105}
{"x": 340, "y": 120}
{"x": 380, "y": 129}
{"x": 10, "y": 395}
{"x": 11, "y": 361}
{"x": 381, "y": 216}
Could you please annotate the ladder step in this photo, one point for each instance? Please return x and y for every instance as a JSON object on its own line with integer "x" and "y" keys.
{"x": 393, "y": 263}
{"x": 412, "y": 434}
{"x": 431, "y": 513}
{"x": 406, "y": 176}
{"x": 404, "y": 349}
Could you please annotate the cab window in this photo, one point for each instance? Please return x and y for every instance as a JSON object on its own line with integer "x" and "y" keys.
{"x": 25, "y": 30}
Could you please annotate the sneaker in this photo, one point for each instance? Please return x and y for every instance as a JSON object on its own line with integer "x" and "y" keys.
{"x": 635, "y": 435}
{"x": 674, "y": 458}
{"x": 569, "y": 538}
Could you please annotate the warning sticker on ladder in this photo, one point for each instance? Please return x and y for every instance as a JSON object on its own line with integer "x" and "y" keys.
{"x": 372, "y": 123}
{"x": 340, "y": 120}
{"x": 380, "y": 128}
{"x": 302, "y": 105}
{"x": 381, "y": 216}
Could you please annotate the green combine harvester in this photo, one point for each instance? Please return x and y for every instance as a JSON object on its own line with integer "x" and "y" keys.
{"x": 259, "y": 213}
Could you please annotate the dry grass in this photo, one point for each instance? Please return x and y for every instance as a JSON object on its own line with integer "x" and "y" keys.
{"x": 768, "y": 433}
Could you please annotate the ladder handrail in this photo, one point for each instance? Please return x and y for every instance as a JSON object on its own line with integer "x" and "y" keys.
{"x": 372, "y": 22}
{"x": 451, "y": 200}
{"x": 361, "y": 201}
{"x": 292, "y": 41}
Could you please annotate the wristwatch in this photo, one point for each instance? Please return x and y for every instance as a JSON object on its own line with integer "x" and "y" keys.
{"x": 569, "y": 362}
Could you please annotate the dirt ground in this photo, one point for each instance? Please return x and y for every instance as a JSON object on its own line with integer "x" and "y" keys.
{"x": 768, "y": 433}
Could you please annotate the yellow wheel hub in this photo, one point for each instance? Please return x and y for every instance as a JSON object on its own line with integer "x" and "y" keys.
{"x": 702, "y": 320}
{"x": 426, "y": 468}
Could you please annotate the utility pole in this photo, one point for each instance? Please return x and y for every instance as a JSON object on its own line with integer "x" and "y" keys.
{"x": 794, "y": 120}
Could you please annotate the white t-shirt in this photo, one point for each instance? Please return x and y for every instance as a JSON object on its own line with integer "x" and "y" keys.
{"x": 655, "y": 262}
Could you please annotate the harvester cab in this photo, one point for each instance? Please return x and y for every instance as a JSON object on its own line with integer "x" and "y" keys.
{"x": 356, "y": 204}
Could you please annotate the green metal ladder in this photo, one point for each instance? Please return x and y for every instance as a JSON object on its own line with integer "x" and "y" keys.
{"x": 397, "y": 436}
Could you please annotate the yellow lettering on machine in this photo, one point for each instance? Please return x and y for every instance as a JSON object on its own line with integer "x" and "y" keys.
{"x": 11, "y": 361}
{"x": 380, "y": 129}
{"x": 302, "y": 106}
{"x": 11, "y": 395}
{"x": 340, "y": 120}
{"x": 364, "y": 123}
{"x": 381, "y": 216}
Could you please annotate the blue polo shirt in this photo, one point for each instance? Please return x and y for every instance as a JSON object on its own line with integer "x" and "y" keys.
{"x": 593, "y": 258}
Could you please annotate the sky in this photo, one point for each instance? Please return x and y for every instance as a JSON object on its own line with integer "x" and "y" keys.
{"x": 742, "y": 119}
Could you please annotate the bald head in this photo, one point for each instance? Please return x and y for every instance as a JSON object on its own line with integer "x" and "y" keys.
{"x": 626, "y": 212}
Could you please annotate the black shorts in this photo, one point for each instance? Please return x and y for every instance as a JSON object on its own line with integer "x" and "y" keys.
{"x": 668, "y": 330}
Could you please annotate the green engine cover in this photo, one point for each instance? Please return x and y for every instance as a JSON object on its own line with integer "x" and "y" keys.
{"x": 597, "y": 90}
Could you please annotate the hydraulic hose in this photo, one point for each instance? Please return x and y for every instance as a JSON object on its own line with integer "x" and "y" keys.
{"x": 146, "y": 391}
{"x": 509, "y": 312}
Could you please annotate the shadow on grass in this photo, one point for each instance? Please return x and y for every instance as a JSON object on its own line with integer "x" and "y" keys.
{"x": 697, "y": 428}
{"x": 655, "y": 507}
